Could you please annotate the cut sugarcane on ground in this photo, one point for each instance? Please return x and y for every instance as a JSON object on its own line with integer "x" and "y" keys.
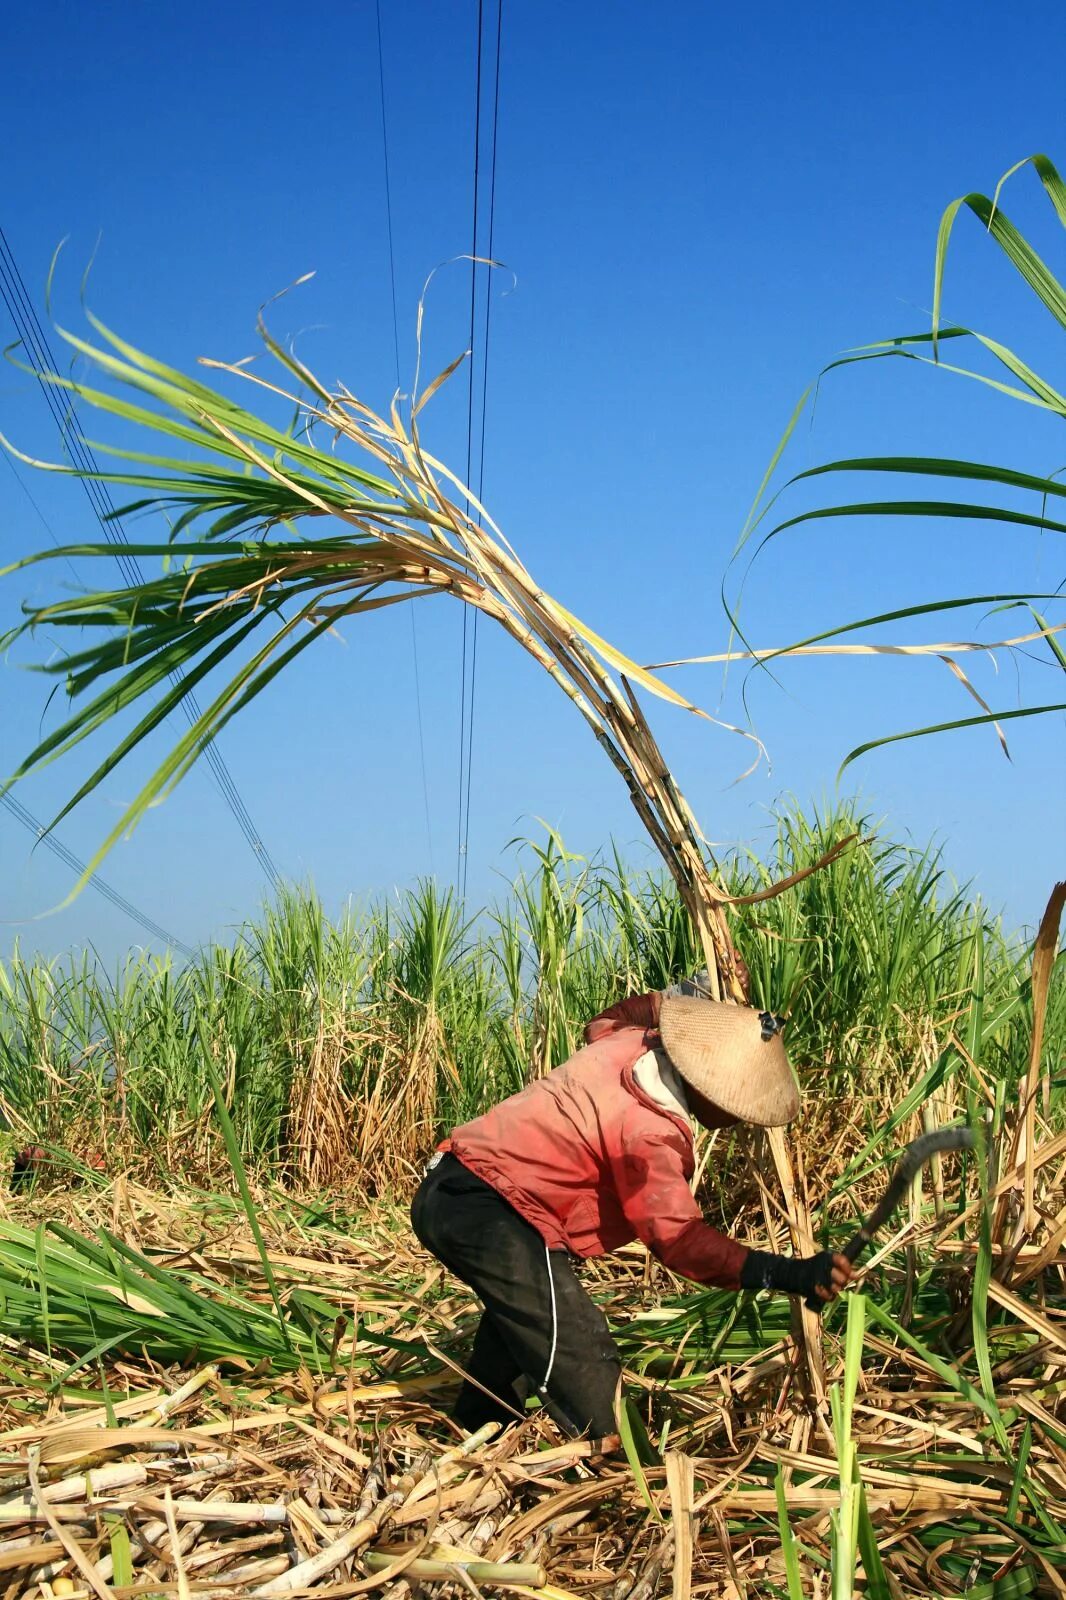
{"x": 163, "y": 1432}
{"x": 128, "y": 1309}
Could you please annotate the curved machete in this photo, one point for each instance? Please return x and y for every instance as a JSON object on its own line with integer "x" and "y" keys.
{"x": 914, "y": 1157}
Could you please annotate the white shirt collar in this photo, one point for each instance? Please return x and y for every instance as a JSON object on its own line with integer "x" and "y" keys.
{"x": 660, "y": 1081}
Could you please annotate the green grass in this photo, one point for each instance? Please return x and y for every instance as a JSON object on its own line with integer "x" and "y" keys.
{"x": 342, "y": 1047}
{"x": 339, "y": 1048}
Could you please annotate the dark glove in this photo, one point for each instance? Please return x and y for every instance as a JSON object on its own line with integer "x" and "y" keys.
{"x": 697, "y": 987}
{"x": 788, "y": 1274}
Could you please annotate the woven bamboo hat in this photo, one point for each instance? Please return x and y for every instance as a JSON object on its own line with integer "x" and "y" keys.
{"x": 733, "y": 1055}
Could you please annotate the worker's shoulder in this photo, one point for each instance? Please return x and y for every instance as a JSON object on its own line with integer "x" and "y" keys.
{"x": 596, "y": 1072}
{"x": 602, "y": 1071}
{"x": 653, "y": 1117}
{"x": 612, "y": 1051}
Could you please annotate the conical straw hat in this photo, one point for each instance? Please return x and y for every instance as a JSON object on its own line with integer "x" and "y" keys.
{"x": 728, "y": 1055}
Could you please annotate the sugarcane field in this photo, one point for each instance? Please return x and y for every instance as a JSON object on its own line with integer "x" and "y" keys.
{"x": 532, "y": 851}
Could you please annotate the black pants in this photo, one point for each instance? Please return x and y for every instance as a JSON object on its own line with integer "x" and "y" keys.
{"x": 539, "y": 1325}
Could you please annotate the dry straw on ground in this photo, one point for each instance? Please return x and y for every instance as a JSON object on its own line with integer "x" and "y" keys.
{"x": 230, "y": 1478}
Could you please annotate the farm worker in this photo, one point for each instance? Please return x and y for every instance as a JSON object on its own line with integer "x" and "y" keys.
{"x": 598, "y": 1153}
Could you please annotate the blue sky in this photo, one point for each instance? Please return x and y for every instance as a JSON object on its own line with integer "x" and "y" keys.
{"x": 701, "y": 206}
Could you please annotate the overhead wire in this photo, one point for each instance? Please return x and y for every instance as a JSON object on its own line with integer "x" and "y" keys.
{"x": 46, "y": 836}
{"x": 481, "y": 450}
{"x": 468, "y": 683}
{"x": 388, "y": 194}
{"x": 32, "y": 336}
{"x": 58, "y": 848}
{"x": 20, "y": 480}
{"x": 460, "y": 874}
{"x": 396, "y": 352}
{"x": 52, "y": 840}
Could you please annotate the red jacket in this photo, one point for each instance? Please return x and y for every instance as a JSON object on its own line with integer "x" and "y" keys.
{"x": 593, "y": 1162}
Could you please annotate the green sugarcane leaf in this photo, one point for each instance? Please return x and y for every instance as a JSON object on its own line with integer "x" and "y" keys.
{"x": 1037, "y": 391}
{"x": 951, "y": 510}
{"x": 121, "y": 1552}
{"x": 105, "y": 1389}
{"x": 991, "y": 717}
{"x": 947, "y": 1373}
{"x": 92, "y": 1357}
{"x": 1053, "y": 643}
{"x": 853, "y": 1343}
{"x": 237, "y": 1166}
{"x": 1013, "y": 244}
{"x": 42, "y": 1285}
{"x": 877, "y": 1584}
{"x": 788, "y": 1540}
{"x": 939, "y": 467}
{"x": 973, "y": 1039}
{"x": 1020, "y": 1466}
{"x": 638, "y": 1449}
{"x": 249, "y": 681}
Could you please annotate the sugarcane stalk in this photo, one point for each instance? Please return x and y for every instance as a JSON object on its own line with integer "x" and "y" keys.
{"x": 432, "y": 1569}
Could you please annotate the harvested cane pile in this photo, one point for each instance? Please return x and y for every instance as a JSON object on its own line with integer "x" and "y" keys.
{"x": 326, "y": 1464}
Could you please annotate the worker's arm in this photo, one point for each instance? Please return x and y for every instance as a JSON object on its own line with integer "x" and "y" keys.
{"x": 655, "y": 1196}
{"x": 650, "y": 1182}
{"x": 638, "y": 1011}
{"x": 699, "y": 986}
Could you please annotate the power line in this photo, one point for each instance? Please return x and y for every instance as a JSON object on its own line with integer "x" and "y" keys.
{"x": 47, "y": 526}
{"x": 470, "y": 626}
{"x": 484, "y": 412}
{"x": 388, "y": 196}
{"x": 52, "y": 840}
{"x": 32, "y": 335}
{"x": 460, "y": 875}
{"x": 58, "y": 848}
{"x": 396, "y": 351}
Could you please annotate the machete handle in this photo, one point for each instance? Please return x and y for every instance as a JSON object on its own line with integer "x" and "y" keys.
{"x": 914, "y": 1157}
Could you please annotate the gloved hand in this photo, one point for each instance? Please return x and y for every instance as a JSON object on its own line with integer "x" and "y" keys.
{"x": 699, "y": 985}
{"x": 817, "y": 1278}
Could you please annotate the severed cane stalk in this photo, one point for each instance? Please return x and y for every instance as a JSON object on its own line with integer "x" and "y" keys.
{"x": 243, "y": 554}
{"x": 411, "y": 533}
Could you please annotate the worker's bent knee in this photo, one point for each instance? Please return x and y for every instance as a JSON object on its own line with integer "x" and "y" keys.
{"x": 583, "y": 1400}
